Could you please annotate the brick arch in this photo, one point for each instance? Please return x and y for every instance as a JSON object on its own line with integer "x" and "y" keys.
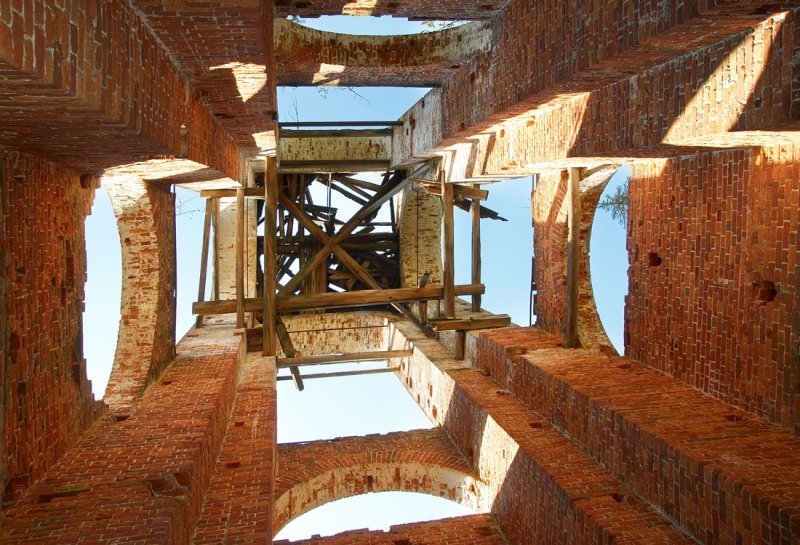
{"x": 145, "y": 215}
{"x": 313, "y": 474}
{"x": 550, "y": 248}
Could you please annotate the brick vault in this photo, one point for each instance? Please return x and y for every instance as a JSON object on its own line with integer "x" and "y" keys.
{"x": 546, "y": 432}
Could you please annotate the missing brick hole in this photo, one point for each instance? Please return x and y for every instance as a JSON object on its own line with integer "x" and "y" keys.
{"x": 766, "y": 291}
{"x": 653, "y": 259}
{"x": 121, "y": 417}
{"x": 535, "y": 425}
{"x": 734, "y": 417}
{"x": 62, "y": 493}
{"x": 434, "y": 412}
{"x": 370, "y": 481}
{"x": 233, "y": 465}
{"x": 620, "y": 498}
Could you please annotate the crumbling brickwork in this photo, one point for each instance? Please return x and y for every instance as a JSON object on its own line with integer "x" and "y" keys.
{"x": 48, "y": 401}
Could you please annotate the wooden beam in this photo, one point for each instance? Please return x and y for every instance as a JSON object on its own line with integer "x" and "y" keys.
{"x": 340, "y": 124}
{"x": 475, "y": 213}
{"x": 288, "y": 348}
{"x": 360, "y": 298}
{"x": 343, "y": 256}
{"x": 249, "y": 193}
{"x": 459, "y": 190}
{"x": 573, "y": 254}
{"x": 448, "y": 273}
{"x": 392, "y": 186}
{"x": 270, "y": 312}
{"x": 346, "y": 357}
{"x": 240, "y": 217}
{"x": 215, "y": 221}
{"x": 201, "y": 289}
{"x": 345, "y": 373}
{"x": 470, "y": 324}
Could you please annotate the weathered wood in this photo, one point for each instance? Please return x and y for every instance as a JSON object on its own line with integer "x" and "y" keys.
{"x": 269, "y": 316}
{"x": 360, "y": 183}
{"x": 201, "y": 289}
{"x": 470, "y": 324}
{"x": 249, "y": 193}
{"x": 461, "y": 339}
{"x": 459, "y": 190}
{"x": 573, "y": 255}
{"x": 240, "y": 217}
{"x": 344, "y": 358}
{"x": 215, "y": 220}
{"x": 448, "y": 272}
{"x": 345, "y": 373}
{"x": 288, "y": 348}
{"x": 360, "y": 298}
{"x": 423, "y": 305}
{"x": 475, "y": 213}
{"x": 394, "y": 123}
{"x": 387, "y": 190}
{"x": 334, "y": 133}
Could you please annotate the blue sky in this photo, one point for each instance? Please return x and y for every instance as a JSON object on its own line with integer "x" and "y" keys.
{"x": 356, "y": 405}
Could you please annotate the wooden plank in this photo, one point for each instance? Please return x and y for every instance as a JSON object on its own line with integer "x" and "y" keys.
{"x": 448, "y": 274}
{"x": 340, "y": 124}
{"x": 215, "y": 221}
{"x": 249, "y": 193}
{"x": 475, "y": 213}
{"x": 345, "y": 357}
{"x": 345, "y": 373}
{"x": 392, "y": 186}
{"x": 459, "y": 190}
{"x": 270, "y": 313}
{"x": 288, "y": 348}
{"x": 240, "y": 217}
{"x": 201, "y": 289}
{"x": 360, "y": 298}
{"x": 461, "y": 339}
{"x": 470, "y": 324}
{"x": 335, "y": 133}
{"x": 423, "y": 305}
{"x": 573, "y": 255}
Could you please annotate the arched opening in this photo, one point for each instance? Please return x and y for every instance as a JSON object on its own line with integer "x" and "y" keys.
{"x": 103, "y": 292}
{"x": 373, "y": 26}
{"x": 608, "y": 256}
{"x": 377, "y": 511}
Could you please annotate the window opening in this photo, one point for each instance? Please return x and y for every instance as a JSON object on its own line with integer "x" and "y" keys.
{"x": 103, "y": 292}
{"x": 608, "y": 256}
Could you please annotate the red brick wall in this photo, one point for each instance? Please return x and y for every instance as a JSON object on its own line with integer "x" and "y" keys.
{"x": 143, "y": 476}
{"x": 47, "y": 399}
{"x": 238, "y": 505}
{"x": 90, "y": 86}
{"x": 314, "y": 473}
{"x": 413, "y": 9}
{"x": 713, "y": 278}
{"x": 469, "y": 530}
{"x": 721, "y": 474}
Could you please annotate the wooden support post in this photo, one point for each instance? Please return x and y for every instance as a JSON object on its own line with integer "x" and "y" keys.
{"x": 288, "y": 348}
{"x": 240, "y": 217}
{"x": 461, "y": 339}
{"x": 215, "y": 221}
{"x": 201, "y": 289}
{"x": 449, "y": 279}
{"x": 270, "y": 313}
{"x": 423, "y": 305}
{"x": 475, "y": 212}
{"x": 573, "y": 254}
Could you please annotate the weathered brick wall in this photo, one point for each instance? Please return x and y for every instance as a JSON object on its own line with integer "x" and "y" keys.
{"x": 238, "y": 504}
{"x": 469, "y": 530}
{"x": 317, "y": 472}
{"x": 76, "y": 74}
{"x": 413, "y": 9}
{"x": 721, "y": 474}
{"x": 143, "y": 476}
{"x": 420, "y": 219}
{"x": 48, "y": 401}
{"x": 539, "y": 485}
{"x": 146, "y": 340}
{"x": 713, "y": 280}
